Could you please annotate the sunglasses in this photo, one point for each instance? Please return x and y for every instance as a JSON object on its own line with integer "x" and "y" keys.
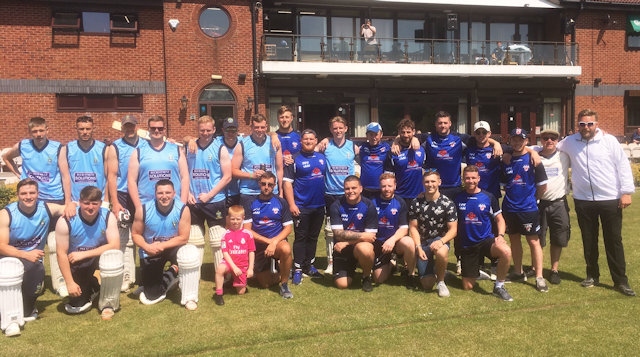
{"x": 545, "y": 138}
{"x": 589, "y": 124}
{"x": 156, "y": 128}
{"x": 269, "y": 184}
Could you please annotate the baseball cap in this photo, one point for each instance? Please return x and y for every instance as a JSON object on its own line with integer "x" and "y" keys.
{"x": 374, "y": 127}
{"x": 481, "y": 125}
{"x": 550, "y": 132}
{"x": 229, "y": 123}
{"x": 129, "y": 119}
{"x": 519, "y": 132}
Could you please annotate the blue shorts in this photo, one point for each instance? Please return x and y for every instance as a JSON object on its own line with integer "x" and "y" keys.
{"x": 427, "y": 267}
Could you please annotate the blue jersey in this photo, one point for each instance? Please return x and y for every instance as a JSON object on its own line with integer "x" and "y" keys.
{"x": 159, "y": 227}
{"x": 476, "y": 213}
{"x": 253, "y": 156}
{"x": 232, "y": 188}
{"x": 41, "y": 165}
{"x": 340, "y": 164}
{"x": 361, "y": 217}
{"x": 28, "y": 232}
{"x": 268, "y": 217}
{"x": 86, "y": 167}
{"x": 84, "y": 235}
{"x": 521, "y": 179}
{"x": 392, "y": 215}
{"x": 290, "y": 142}
{"x": 407, "y": 166}
{"x": 123, "y": 152}
{"x": 445, "y": 155}
{"x": 372, "y": 159}
{"x": 205, "y": 171}
{"x": 488, "y": 168}
{"x": 156, "y": 165}
{"x": 307, "y": 174}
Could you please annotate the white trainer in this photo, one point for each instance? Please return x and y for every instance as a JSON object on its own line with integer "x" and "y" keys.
{"x": 443, "y": 291}
{"x": 12, "y": 330}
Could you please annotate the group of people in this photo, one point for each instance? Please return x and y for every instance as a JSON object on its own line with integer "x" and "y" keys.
{"x": 252, "y": 192}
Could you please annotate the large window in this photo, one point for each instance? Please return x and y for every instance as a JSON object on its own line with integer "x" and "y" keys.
{"x": 214, "y": 22}
{"x": 632, "y": 106}
{"x": 633, "y": 32}
{"x": 94, "y": 22}
{"x": 218, "y": 101}
{"x": 99, "y": 102}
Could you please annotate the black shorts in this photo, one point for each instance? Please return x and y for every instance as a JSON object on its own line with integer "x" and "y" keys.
{"x": 554, "y": 217}
{"x": 213, "y": 213}
{"x": 470, "y": 257}
{"x": 344, "y": 263}
{"x": 381, "y": 259}
{"x": 526, "y": 223}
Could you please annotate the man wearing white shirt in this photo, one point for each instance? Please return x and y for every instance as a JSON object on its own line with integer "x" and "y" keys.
{"x": 602, "y": 187}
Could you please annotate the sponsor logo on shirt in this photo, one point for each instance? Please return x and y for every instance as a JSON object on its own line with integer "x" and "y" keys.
{"x": 85, "y": 177}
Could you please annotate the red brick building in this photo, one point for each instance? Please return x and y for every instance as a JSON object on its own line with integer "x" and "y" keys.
{"x": 185, "y": 58}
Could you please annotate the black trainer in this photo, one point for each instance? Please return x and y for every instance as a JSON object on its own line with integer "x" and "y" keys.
{"x": 367, "y": 284}
{"x": 554, "y": 277}
{"x": 625, "y": 289}
{"x": 218, "y": 299}
{"x": 589, "y": 282}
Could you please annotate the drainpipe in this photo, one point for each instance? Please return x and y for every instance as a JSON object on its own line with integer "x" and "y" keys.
{"x": 166, "y": 86}
{"x": 255, "y": 10}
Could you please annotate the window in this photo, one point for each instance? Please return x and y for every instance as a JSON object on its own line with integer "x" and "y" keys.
{"x": 124, "y": 23}
{"x": 218, "y": 101}
{"x": 214, "y": 22}
{"x": 96, "y": 22}
{"x": 633, "y": 32}
{"x": 632, "y": 108}
{"x": 66, "y": 21}
{"x": 100, "y": 102}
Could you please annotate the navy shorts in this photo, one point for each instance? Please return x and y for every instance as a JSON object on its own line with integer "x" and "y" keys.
{"x": 526, "y": 223}
{"x": 470, "y": 257}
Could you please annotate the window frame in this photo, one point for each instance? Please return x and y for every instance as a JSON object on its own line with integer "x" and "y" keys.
{"x": 87, "y": 98}
{"x": 59, "y": 14}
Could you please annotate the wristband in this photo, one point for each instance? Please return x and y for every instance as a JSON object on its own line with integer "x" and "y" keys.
{"x": 501, "y": 235}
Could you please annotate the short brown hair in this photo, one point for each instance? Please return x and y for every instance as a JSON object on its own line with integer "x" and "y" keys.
{"x": 406, "y": 123}
{"x": 470, "y": 168}
{"x": 258, "y": 118}
{"x": 154, "y": 119}
{"x": 37, "y": 121}
{"x": 283, "y": 109}
{"x": 26, "y": 182}
{"x": 588, "y": 113}
{"x": 90, "y": 193}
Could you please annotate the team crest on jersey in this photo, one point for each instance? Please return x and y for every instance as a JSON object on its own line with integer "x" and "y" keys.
{"x": 412, "y": 163}
{"x": 471, "y": 217}
{"x": 42, "y": 222}
{"x": 482, "y": 206}
{"x": 351, "y": 227}
{"x": 442, "y": 153}
{"x": 49, "y": 160}
{"x": 384, "y": 220}
{"x": 321, "y": 161}
{"x": 210, "y": 157}
{"x": 171, "y": 157}
{"x": 95, "y": 159}
{"x": 359, "y": 216}
{"x": 525, "y": 168}
{"x": 394, "y": 211}
{"x": 527, "y": 227}
{"x": 452, "y": 144}
{"x": 479, "y": 164}
{"x": 174, "y": 224}
{"x": 218, "y": 214}
{"x": 242, "y": 241}
{"x": 316, "y": 171}
{"x": 383, "y": 149}
{"x": 373, "y": 157}
{"x": 488, "y": 155}
{"x": 418, "y": 153}
{"x": 275, "y": 210}
{"x": 294, "y": 144}
{"x": 518, "y": 178}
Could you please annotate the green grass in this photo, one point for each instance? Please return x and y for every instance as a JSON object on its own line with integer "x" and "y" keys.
{"x": 321, "y": 320}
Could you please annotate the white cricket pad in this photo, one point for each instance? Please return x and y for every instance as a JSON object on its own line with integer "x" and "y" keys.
{"x": 215, "y": 239}
{"x": 189, "y": 272}
{"x": 196, "y": 237}
{"x": 111, "y": 272}
{"x": 11, "y": 308}
{"x": 57, "y": 280}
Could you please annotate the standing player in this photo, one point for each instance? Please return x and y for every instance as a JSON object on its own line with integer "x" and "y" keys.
{"x": 289, "y": 137}
{"x": 210, "y": 173}
{"x": 160, "y": 160}
{"x": 477, "y": 210}
{"x": 89, "y": 241}
{"x": 340, "y": 154}
{"x": 602, "y": 186}
{"x": 480, "y": 154}
{"x": 393, "y": 232}
{"x": 373, "y": 154}
{"x": 229, "y": 139}
{"x": 118, "y": 155}
{"x": 40, "y": 162}
{"x": 355, "y": 223}
{"x": 270, "y": 221}
{"x": 407, "y": 164}
{"x": 304, "y": 191}
{"x": 524, "y": 183}
{"x": 432, "y": 225}
{"x": 161, "y": 230}
{"x": 553, "y": 206}
{"x": 256, "y": 154}
{"x": 23, "y": 229}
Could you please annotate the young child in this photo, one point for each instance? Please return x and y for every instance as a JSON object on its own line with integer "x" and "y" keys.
{"x": 238, "y": 252}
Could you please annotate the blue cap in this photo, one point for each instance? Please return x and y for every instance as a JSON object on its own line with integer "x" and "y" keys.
{"x": 519, "y": 132}
{"x": 229, "y": 123}
{"x": 374, "y": 127}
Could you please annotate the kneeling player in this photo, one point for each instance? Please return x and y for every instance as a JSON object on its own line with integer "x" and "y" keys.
{"x": 393, "y": 230}
{"x": 85, "y": 242}
{"x": 476, "y": 211}
{"x": 238, "y": 252}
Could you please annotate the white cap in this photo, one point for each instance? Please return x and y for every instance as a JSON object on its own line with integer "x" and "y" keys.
{"x": 481, "y": 125}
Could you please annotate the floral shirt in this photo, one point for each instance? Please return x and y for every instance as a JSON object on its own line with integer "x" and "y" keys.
{"x": 432, "y": 216}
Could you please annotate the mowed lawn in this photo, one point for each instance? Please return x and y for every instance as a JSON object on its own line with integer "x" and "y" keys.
{"x": 321, "y": 320}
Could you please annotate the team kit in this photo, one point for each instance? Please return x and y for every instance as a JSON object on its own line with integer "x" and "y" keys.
{"x": 93, "y": 207}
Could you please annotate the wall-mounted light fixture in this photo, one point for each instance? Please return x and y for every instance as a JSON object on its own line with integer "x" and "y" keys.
{"x": 216, "y": 77}
{"x": 184, "y": 101}
{"x": 173, "y": 24}
{"x": 249, "y": 103}
{"x": 597, "y": 81}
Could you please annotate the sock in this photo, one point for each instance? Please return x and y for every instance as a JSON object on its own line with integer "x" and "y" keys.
{"x": 499, "y": 284}
{"x": 218, "y": 291}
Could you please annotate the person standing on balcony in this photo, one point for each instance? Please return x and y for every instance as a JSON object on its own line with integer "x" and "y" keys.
{"x": 368, "y": 31}
{"x": 497, "y": 56}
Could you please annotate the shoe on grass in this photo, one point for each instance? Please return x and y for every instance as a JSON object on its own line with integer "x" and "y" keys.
{"x": 502, "y": 293}
{"x": 285, "y": 292}
{"x": 107, "y": 313}
{"x": 329, "y": 269}
{"x": 12, "y": 330}
{"x": 515, "y": 277}
{"x": 541, "y": 285}
{"x": 554, "y": 277}
{"x": 625, "y": 289}
{"x": 218, "y": 299}
{"x": 297, "y": 277}
{"x": 589, "y": 282}
{"x": 146, "y": 301}
{"x": 191, "y": 305}
{"x": 78, "y": 309}
{"x": 443, "y": 291}
{"x": 482, "y": 275}
{"x": 367, "y": 284}
{"x": 313, "y": 273}
{"x": 32, "y": 317}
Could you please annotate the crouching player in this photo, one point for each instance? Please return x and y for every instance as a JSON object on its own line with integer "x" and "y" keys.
{"x": 393, "y": 232}
{"x": 476, "y": 211}
{"x": 23, "y": 230}
{"x": 161, "y": 230}
{"x": 238, "y": 252}
{"x": 86, "y": 242}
